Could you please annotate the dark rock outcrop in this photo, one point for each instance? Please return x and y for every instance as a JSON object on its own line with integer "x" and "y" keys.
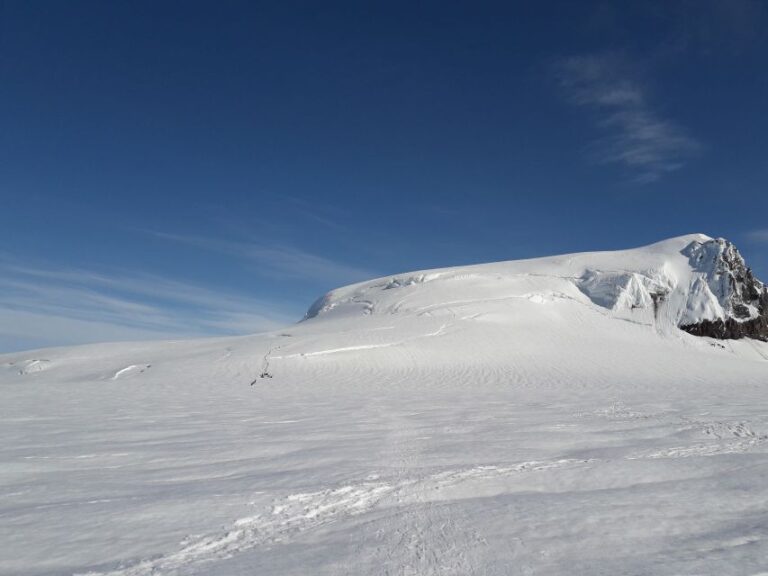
{"x": 731, "y": 329}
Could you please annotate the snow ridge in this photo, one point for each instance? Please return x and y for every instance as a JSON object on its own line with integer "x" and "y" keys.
{"x": 689, "y": 282}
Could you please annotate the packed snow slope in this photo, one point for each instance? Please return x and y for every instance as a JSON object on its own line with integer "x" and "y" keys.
{"x": 545, "y": 416}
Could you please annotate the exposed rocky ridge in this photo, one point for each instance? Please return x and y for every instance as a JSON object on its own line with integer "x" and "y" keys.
{"x": 731, "y": 329}
{"x": 744, "y": 298}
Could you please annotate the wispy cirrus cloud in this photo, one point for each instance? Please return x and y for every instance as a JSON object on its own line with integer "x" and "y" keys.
{"x": 635, "y": 135}
{"x": 45, "y": 305}
{"x": 278, "y": 260}
{"x": 759, "y": 236}
{"x": 42, "y": 305}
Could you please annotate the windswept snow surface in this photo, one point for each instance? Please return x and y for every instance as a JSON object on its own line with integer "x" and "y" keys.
{"x": 530, "y": 417}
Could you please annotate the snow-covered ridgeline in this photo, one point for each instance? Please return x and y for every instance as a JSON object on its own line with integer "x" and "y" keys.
{"x": 686, "y": 281}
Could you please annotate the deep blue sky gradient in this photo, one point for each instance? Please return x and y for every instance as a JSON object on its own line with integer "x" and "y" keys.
{"x": 163, "y": 161}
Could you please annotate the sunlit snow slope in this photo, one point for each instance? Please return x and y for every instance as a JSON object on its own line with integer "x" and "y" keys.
{"x": 544, "y": 416}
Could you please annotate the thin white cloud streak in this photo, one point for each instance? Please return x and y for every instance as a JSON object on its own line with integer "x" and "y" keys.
{"x": 47, "y": 305}
{"x": 20, "y": 329}
{"x": 320, "y": 213}
{"x": 55, "y": 306}
{"x": 758, "y": 236}
{"x": 146, "y": 285}
{"x": 282, "y": 261}
{"x": 636, "y": 136}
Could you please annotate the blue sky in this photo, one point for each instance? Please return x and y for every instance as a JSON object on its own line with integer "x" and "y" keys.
{"x": 186, "y": 169}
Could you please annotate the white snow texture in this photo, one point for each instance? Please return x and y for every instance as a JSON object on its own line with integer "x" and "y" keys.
{"x": 543, "y": 416}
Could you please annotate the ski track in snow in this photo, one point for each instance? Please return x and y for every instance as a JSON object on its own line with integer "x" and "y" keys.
{"x": 425, "y": 533}
{"x": 294, "y": 514}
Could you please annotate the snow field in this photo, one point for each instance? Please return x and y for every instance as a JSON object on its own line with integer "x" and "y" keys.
{"x": 500, "y": 419}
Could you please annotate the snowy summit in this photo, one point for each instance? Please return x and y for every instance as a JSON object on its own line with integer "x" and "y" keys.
{"x": 580, "y": 414}
{"x": 693, "y": 282}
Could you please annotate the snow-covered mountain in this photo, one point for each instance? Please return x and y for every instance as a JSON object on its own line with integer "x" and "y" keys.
{"x": 589, "y": 413}
{"x": 694, "y": 282}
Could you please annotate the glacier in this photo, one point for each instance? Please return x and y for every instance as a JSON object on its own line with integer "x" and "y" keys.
{"x": 563, "y": 415}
